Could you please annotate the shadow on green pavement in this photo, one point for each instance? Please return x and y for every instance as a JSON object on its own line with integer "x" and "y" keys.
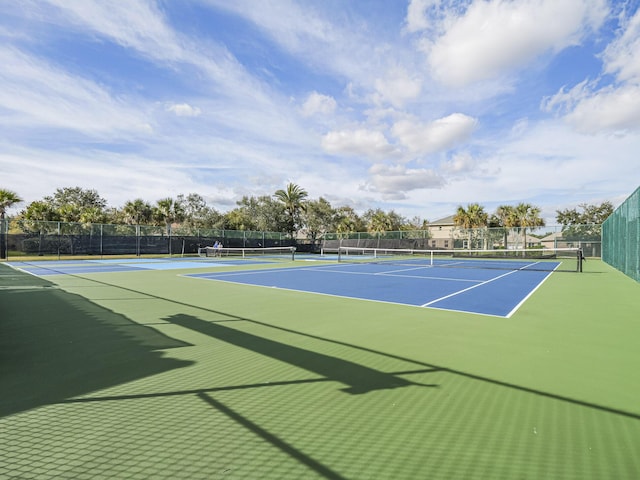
{"x": 55, "y": 345}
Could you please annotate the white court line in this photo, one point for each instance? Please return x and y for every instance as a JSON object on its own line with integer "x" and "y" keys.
{"x": 422, "y": 267}
{"x": 467, "y": 289}
{"x": 385, "y": 274}
{"x": 530, "y": 293}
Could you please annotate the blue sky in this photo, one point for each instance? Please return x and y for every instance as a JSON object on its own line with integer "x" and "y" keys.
{"x": 417, "y": 106}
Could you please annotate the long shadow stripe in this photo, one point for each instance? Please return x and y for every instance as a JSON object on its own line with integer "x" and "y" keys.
{"x": 272, "y": 439}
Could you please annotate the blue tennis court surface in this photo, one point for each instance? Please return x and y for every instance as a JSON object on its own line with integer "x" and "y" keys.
{"x": 472, "y": 290}
{"x": 71, "y": 267}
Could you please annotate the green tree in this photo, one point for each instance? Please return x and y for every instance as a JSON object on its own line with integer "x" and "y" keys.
{"x": 137, "y": 212}
{"x": 39, "y": 211}
{"x": 379, "y": 221}
{"x": 293, "y": 198}
{"x": 471, "y": 218}
{"x": 8, "y": 199}
{"x": 262, "y": 213}
{"x": 505, "y": 219}
{"x": 71, "y": 202}
{"x": 238, "y": 219}
{"x": 37, "y": 218}
{"x": 318, "y": 218}
{"x": 584, "y": 223}
{"x": 416, "y": 223}
{"x": 346, "y": 221}
{"x": 197, "y": 214}
{"x": 168, "y": 211}
{"x": 92, "y": 215}
{"x": 527, "y": 216}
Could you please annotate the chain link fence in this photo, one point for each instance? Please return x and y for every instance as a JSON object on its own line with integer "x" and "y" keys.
{"x": 621, "y": 237}
{"x": 32, "y": 238}
{"x": 587, "y": 237}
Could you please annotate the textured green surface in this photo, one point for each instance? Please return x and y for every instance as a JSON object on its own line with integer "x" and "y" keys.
{"x": 155, "y": 375}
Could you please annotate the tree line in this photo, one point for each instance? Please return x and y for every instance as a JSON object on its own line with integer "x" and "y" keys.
{"x": 581, "y": 223}
{"x": 288, "y": 210}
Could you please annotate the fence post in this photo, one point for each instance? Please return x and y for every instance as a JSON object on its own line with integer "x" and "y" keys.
{"x": 137, "y": 240}
{"x": 4, "y": 239}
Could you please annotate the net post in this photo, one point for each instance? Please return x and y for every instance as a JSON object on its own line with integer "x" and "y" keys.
{"x": 580, "y": 259}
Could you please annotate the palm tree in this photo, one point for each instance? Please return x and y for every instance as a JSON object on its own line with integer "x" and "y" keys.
{"x": 168, "y": 211}
{"x": 88, "y": 217}
{"x": 378, "y": 221}
{"x": 527, "y": 216}
{"x": 293, "y": 200}
{"x": 470, "y": 218}
{"x": 137, "y": 212}
{"x": 7, "y": 199}
{"x": 506, "y": 220}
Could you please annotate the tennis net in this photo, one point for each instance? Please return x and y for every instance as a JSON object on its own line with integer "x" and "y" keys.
{"x": 547, "y": 259}
{"x": 267, "y": 253}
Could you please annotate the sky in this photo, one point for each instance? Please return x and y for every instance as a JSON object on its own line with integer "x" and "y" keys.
{"x": 415, "y": 106}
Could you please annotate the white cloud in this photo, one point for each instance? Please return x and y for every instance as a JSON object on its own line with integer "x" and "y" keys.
{"x": 435, "y": 136}
{"x": 303, "y": 31}
{"x": 41, "y": 95}
{"x": 398, "y": 87}
{"x": 460, "y": 165}
{"x": 343, "y": 46}
{"x": 183, "y": 110}
{"x": 550, "y": 159}
{"x": 106, "y": 172}
{"x": 622, "y": 56}
{"x": 140, "y": 26}
{"x": 416, "y": 18}
{"x": 614, "y": 110}
{"x": 396, "y": 181}
{"x": 493, "y": 38}
{"x": 136, "y": 24}
{"x": 360, "y": 142}
{"x": 590, "y": 109}
{"x": 318, "y": 103}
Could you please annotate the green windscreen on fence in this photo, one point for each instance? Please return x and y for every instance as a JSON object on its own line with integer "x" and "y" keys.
{"x": 621, "y": 237}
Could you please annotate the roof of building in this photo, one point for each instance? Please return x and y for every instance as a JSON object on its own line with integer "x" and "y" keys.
{"x": 444, "y": 221}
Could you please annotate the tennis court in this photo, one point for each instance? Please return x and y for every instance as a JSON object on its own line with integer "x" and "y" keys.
{"x": 137, "y": 369}
{"x": 230, "y": 257}
{"x": 488, "y": 291}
